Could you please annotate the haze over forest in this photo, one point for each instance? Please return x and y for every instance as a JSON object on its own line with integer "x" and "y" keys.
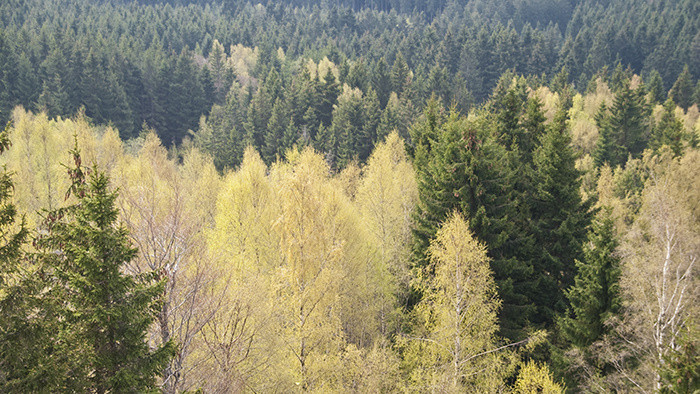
{"x": 443, "y": 196}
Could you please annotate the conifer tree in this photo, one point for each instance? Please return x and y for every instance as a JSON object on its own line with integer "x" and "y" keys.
{"x": 107, "y": 312}
{"x": 559, "y": 216}
{"x": 655, "y": 86}
{"x": 623, "y": 129}
{"x": 594, "y": 297}
{"x": 682, "y": 90}
{"x": 15, "y": 354}
{"x": 381, "y": 82}
{"x": 11, "y": 238}
{"x": 400, "y": 75}
{"x": 669, "y": 131}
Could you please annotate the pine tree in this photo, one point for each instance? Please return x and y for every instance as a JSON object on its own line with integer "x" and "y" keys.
{"x": 594, "y": 297}
{"x": 106, "y": 311}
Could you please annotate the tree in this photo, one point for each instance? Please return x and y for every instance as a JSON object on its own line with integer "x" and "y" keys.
{"x": 559, "y": 216}
{"x": 11, "y": 238}
{"x": 655, "y": 86}
{"x": 669, "y": 131}
{"x": 623, "y": 129}
{"x": 534, "y": 378}
{"x": 595, "y": 295}
{"x": 682, "y": 90}
{"x": 386, "y": 197}
{"x": 400, "y": 75}
{"x": 347, "y": 127}
{"x": 106, "y": 311}
{"x": 659, "y": 257}
{"x": 15, "y": 339}
{"x": 165, "y": 207}
{"x": 381, "y": 82}
{"x": 461, "y": 166}
{"x": 457, "y": 315}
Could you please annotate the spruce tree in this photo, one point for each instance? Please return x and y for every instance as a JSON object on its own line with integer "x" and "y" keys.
{"x": 669, "y": 131}
{"x": 461, "y": 166}
{"x": 107, "y": 312}
{"x": 12, "y": 310}
{"x": 36, "y": 355}
{"x": 594, "y": 297}
{"x": 655, "y": 86}
{"x": 11, "y": 237}
{"x": 622, "y": 129}
{"x": 682, "y": 90}
{"x": 381, "y": 82}
{"x": 559, "y": 216}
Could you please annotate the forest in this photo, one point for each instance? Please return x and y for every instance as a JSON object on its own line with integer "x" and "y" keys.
{"x": 349, "y": 196}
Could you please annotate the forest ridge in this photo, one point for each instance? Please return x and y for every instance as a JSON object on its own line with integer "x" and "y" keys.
{"x": 349, "y": 196}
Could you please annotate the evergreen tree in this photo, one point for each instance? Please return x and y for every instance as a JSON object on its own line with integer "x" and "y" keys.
{"x": 559, "y": 216}
{"x": 106, "y": 311}
{"x": 372, "y": 118}
{"x": 655, "y": 86}
{"x": 623, "y": 129}
{"x": 8, "y": 75}
{"x": 53, "y": 98}
{"x": 277, "y": 126}
{"x": 400, "y": 75}
{"x": 461, "y": 166}
{"x": 594, "y": 297}
{"x": 682, "y": 90}
{"x": 381, "y": 82}
{"x": 669, "y": 131}
{"x": 11, "y": 237}
{"x": 13, "y": 344}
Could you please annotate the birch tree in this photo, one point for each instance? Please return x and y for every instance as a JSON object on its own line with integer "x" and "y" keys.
{"x": 660, "y": 267}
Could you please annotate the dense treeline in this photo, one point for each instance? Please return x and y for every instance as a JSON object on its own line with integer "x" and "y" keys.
{"x": 159, "y": 64}
{"x": 503, "y": 251}
{"x": 365, "y": 195}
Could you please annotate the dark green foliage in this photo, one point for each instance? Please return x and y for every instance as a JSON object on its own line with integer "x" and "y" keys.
{"x": 681, "y": 369}
{"x": 11, "y": 240}
{"x": 594, "y": 297}
{"x": 381, "y": 82}
{"x": 669, "y": 131}
{"x": 559, "y": 216}
{"x": 103, "y": 311}
{"x": 461, "y": 165}
{"x": 682, "y": 90}
{"x": 222, "y": 134}
{"x": 623, "y": 129}
{"x": 655, "y": 87}
{"x": 27, "y": 328}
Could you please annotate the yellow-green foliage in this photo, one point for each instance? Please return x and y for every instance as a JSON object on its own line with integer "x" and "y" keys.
{"x": 39, "y": 152}
{"x": 322, "y": 68}
{"x": 535, "y": 378}
{"x": 385, "y": 197}
{"x": 242, "y": 61}
{"x": 451, "y": 349}
{"x": 283, "y": 278}
{"x": 549, "y": 99}
{"x": 584, "y": 132}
